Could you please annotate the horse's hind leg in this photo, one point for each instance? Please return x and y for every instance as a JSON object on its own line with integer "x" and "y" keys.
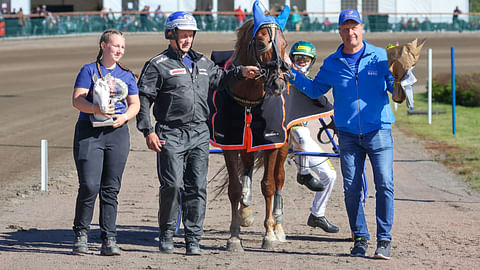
{"x": 277, "y": 199}
{"x": 234, "y": 243}
{"x": 278, "y": 216}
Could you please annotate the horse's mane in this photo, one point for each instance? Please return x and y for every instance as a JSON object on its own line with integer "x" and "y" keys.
{"x": 244, "y": 37}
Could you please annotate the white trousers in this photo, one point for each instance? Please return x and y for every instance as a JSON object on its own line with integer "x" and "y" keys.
{"x": 300, "y": 140}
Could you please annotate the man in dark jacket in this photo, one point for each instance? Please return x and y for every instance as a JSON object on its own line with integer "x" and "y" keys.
{"x": 177, "y": 82}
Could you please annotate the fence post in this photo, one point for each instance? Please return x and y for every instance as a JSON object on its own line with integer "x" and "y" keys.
{"x": 44, "y": 164}
{"x": 454, "y": 124}
{"x": 429, "y": 86}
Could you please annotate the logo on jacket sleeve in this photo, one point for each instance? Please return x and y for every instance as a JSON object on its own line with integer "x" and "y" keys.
{"x": 178, "y": 71}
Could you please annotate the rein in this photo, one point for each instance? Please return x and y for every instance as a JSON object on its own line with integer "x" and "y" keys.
{"x": 275, "y": 68}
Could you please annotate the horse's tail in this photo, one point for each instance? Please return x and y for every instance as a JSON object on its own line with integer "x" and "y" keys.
{"x": 222, "y": 174}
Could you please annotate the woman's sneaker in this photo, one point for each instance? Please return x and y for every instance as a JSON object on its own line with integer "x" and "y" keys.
{"x": 80, "y": 244}
{"x": 383, "y": 250}
{"x": 360, "y": 247}
{"x": 109, "y": 247}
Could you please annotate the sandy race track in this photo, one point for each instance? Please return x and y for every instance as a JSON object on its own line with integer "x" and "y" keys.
{"x": 436, "y": 217}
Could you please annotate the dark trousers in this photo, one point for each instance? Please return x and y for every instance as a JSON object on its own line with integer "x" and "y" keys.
{"x": 100, "y": 156}
{"x": 182, "y": 167}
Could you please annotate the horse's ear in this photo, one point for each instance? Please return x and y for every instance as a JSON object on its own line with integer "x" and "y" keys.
{"x": 258, "y": 16}
{"x": 282, "y": 18}
{"x": 108, "y": 77}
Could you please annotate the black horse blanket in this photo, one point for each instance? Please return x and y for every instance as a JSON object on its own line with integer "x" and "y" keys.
{"x": 265, "y": 126}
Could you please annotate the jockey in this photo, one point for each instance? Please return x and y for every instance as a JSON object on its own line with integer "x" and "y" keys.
{"x": 180, "y": 20}
{"x": 303, "y": 55}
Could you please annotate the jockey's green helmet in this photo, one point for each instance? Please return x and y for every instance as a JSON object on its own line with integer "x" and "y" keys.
{"x": 303, "y": 48}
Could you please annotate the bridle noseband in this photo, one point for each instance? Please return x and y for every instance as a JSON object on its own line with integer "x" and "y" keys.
{"x": 274, "y": 70}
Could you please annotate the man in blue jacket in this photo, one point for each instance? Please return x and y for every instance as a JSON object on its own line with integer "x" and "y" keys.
{"x": 359, "y": 76}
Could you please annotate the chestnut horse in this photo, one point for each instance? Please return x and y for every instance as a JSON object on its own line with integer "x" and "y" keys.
{"x": 266, "y": 50}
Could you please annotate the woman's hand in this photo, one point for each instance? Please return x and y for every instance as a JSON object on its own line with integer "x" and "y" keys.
{"x": 120, "y": 120}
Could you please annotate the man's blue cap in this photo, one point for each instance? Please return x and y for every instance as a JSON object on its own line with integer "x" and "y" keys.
{"x": 349, "y": 14}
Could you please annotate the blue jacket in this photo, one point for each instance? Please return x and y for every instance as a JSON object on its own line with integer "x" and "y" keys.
{"x": 361, "y": 101}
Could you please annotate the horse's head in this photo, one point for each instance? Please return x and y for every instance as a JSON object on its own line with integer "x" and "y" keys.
{"x": 261, "y": 42}
{"x": 101, "y": 91}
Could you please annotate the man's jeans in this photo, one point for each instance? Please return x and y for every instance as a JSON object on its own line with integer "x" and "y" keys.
{"x": 378, "y": 145}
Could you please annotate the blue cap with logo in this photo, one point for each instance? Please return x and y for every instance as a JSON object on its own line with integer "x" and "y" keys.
{"x": 349, "y": 14}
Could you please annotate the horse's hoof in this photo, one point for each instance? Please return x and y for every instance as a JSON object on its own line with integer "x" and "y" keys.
{"x": 268, "y": 244}
{"x": 281, "y": 237}
{"x": 234, "y": 245}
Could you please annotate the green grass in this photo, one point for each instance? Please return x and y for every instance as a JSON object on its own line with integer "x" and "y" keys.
{"x": 459, "y": 152}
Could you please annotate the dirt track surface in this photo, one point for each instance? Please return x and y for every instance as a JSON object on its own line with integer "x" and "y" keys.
{"x": 436, "y": 217}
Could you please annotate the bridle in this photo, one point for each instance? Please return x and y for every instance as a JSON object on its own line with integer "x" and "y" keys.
{"x": 274, "y": 70}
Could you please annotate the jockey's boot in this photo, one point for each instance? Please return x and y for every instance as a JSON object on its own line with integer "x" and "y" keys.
{"x": 310, "y": 182}
{"x": 321, "y": 222}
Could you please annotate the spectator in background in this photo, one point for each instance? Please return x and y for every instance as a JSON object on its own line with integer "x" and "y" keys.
{"x": 411, "y": 25}
{"x": 455, "y": 22}
{"x": 111, "y": 20}
{"x": 51, "y": 23}
{"x": 296, "y": 19}
{"x": 326, "y": 25}
{"x": 37, "y": 19}
{"x": 427, "y": 25}
{"x": 144, "y": 19}
{"x": 403, "y": 25}
{"x": 21, "y": 22}
{"x": 456, "y": 12}
{"x": 199, "y": 19}
{"x": 209, "y": 18}
{"x": 240, "y": 15}
{"x": 159, "y": 15}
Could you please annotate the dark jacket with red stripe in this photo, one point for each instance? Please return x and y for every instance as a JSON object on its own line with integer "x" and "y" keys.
{"x": 180, "y": 96}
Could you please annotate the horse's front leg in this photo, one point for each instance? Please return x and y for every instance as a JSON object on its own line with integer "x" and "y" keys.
{"x": 246, "y": 210}
{"x": 278, "y": 199}
{"x": 268, "y": 191}
{"x": 234, "y": 243}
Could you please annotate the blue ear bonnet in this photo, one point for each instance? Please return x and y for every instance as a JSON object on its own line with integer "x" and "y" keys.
{"x": 260, "y": 19}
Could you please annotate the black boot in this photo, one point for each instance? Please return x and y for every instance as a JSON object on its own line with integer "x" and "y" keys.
{"x": 321, "y": 222}
{"x": 310, "y": 182}
{"x": 80, "y": 245}
{"x": 109, "y": 247}
{"x": 166, "y": 242}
